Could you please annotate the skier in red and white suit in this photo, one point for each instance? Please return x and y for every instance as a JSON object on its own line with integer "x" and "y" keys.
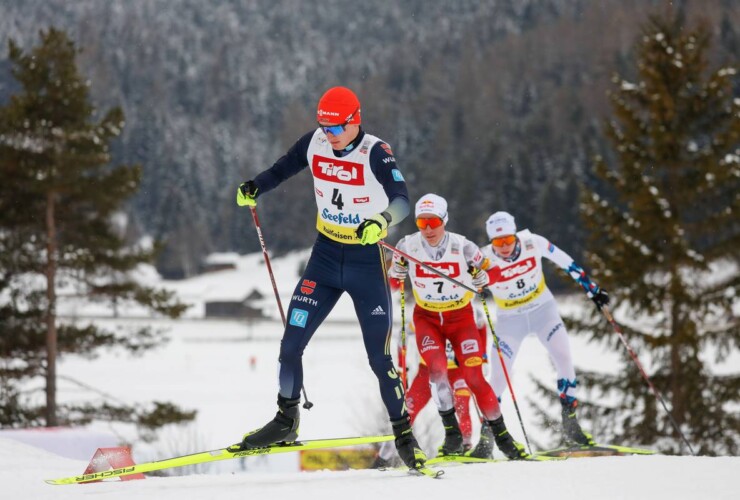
{"x": 419, "y": 393}
{"x": 525, "y": 306}
{"x": 443, "y": 312}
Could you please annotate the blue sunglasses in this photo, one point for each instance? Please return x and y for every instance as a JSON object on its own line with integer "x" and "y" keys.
{"x": 333, "y": 129}
{"x": 337, "y": 129}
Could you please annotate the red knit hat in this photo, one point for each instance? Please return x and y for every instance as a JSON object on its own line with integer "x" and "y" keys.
{"x": 337, "y": 106}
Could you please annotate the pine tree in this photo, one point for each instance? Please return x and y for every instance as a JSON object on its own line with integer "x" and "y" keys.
{"x": 664, "y": 223}
{"x": 58, "y": 201}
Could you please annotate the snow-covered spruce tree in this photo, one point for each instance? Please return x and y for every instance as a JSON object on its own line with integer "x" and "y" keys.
{"x": 664, "y": 222}
{"x": 59, "y": 196}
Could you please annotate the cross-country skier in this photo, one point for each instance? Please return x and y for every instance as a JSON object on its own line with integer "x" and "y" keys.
{"x": 419, "y": 394}
{"x": 525, "y": 306}
{"x": 359, "y": 193}
{"x": 443, "y": 312}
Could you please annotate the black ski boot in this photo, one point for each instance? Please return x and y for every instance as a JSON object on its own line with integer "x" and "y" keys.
{"x": 484, "y": 448}
{"x": 406, "y": 445}
{"x": 281, "y": 429}
{"x": 453, "y": 443}
{"x": 380, "y": 463}
{"x": 506, "y": 443}
{"x": 572, "y": 432}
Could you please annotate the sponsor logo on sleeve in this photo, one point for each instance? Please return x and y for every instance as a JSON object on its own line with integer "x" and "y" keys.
{"x": 298, "y": 318}
{"x": 397, "y": 175}
{"x": 550, "y": 247}
{"x": 386, "y": 148}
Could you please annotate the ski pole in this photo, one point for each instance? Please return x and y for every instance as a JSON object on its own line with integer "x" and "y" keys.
{"x": 428, "y": 267}
{"x": 610, "y": 319}
{"x": 506, "y": 372}
{"x": 307, "y": 404}
{"x": 402, "y": 361}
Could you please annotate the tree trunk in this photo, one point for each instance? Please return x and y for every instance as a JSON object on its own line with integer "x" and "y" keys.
{"x": 51, "y": 328}
{"x": 675, "y": 380}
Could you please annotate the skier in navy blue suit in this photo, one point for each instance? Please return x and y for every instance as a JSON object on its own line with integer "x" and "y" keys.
{"x": 359, "y": 193}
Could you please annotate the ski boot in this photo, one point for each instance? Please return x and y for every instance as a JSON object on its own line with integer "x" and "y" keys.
{"x": 512, "y": 449}
{"x": 381, "y": 463}
{"x": 484, "y": 448}
{"x": 281, "y": 429}
{"x": 453, "y": 443}
{"x": 406, "y": 445}
{"x": 386, "y": 457}
{"x": 572, "y": 432}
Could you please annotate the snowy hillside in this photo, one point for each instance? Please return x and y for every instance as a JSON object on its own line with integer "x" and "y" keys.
{"x": 227, "y": 371}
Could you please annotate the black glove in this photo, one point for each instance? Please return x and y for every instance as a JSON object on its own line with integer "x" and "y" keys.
{"x": 600, "y": 298}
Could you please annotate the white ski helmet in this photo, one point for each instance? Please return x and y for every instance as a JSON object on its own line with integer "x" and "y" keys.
{"x": 432, "y": 204}
{"x": 500, "y": 224}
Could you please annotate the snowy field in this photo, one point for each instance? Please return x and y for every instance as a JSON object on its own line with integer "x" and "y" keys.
{"x": 227, "y": 370}
{"x": 22, "y": 469}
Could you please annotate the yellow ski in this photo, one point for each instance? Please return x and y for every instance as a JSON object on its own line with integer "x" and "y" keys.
{"x": 217, "y": 455}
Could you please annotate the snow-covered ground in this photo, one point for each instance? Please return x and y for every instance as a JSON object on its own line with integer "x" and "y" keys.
{"x": 227, "y": 370}
{"x": 23, "y": 468}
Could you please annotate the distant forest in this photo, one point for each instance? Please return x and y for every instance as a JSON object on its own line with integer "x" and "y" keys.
{"x": 493, "y": 104}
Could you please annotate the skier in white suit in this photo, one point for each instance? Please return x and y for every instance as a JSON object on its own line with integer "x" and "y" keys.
{"x": 525, "y": 306}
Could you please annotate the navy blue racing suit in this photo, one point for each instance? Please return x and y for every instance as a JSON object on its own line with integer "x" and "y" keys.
{"x": 336, "y": 267}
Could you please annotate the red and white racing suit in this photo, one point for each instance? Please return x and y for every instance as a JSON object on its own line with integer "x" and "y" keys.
{"x": 443, "y": 312}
